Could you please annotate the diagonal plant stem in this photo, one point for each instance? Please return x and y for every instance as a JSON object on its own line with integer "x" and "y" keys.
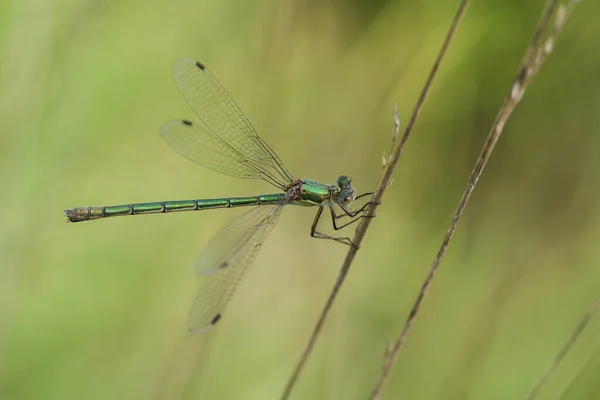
{"x": 383, "y": 183}
{"x": 535, "y": 55}
{"x": 564, "y": 350}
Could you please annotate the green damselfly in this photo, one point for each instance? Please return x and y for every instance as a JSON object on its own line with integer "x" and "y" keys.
{"x": 228, "y": 143}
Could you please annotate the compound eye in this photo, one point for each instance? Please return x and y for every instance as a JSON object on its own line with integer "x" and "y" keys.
{"x": 343, "y": 181}
{"x": 346, "y": 198}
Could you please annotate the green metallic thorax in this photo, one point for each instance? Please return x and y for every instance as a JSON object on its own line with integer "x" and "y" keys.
{"x": 314, "y": 193}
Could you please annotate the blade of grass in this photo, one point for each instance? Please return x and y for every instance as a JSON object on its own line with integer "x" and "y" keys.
{"x": 564, "y": 350}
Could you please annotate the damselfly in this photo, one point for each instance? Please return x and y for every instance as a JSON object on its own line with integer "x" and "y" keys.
{"x": 228, "y": 143}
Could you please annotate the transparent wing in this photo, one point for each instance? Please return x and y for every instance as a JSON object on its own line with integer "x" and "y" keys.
{"x": 206, "y": 149}
{"x": 217, "y": 110}
{"x": 224, "y": 262}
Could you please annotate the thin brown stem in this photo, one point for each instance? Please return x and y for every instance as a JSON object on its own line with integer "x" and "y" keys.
{"x": 535, "y": 54}
{"x": 564, "y": 350}
{"x": 382, "y": 185}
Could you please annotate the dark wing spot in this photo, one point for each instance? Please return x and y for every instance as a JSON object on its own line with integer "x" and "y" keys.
{"x": 186, "y": 122}
{"x": 224, "y": 265}
{"x": 200, "y": 65}
{"x": 215, "y": 319}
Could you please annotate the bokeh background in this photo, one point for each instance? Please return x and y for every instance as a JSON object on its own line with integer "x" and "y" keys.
{"x": 98, "y": 310}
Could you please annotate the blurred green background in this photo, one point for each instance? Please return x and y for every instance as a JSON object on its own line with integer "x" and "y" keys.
{"x": 98, "y": 310}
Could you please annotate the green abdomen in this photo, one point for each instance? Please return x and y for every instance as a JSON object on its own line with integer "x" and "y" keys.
{"x": 78, "y": 214}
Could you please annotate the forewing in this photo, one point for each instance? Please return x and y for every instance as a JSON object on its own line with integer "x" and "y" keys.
{"x": 217, "y": 110}
{"x": 225, "y": 260}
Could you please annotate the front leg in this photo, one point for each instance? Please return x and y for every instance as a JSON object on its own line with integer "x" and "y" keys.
{"x": 318, "y": 233}
{"x": 340, "y": 220}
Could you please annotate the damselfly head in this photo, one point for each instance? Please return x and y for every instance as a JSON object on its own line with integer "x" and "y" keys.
{"x": 347, "y": 192}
